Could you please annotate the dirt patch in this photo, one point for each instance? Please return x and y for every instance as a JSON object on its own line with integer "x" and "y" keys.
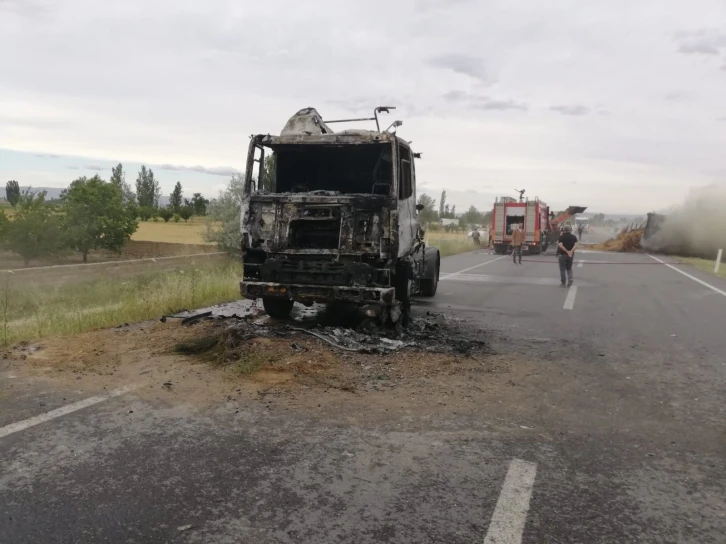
{"x": 287, "y": 367}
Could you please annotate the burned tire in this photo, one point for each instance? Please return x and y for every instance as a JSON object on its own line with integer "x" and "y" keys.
{"x": 428, "y": 287}
{"x": 277, "y": 307}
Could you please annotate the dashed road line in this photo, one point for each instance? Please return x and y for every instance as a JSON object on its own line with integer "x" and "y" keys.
{"x": 580, "y": 263}
{"x": 471, "y": 268}
{"x": 570, "y": 300}
{"x": 63, "y": 410}
{"x": 510, "y": 514}
{"x": 694, "y": 278}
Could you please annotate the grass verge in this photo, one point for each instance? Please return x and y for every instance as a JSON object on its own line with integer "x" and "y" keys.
{"x": 705, "y": 264}
{"x": 450, "y": 243}
{"x": 31, "y": 313}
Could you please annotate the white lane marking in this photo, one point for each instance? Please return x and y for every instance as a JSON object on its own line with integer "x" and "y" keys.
{"x": 580, "y": 263}
{"x": 471, "y": 267}
{"x": 694, "y": 278}
{"x": 63, "y": 410}
{"x": 570, "y": 300}
{"x": 510, "y": 514}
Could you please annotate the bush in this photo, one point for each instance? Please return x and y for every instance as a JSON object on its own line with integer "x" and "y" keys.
{"x": 186, "y": 213}
{"x": 146, "y": 212}
{"x": 176, "y": 218}
{"x": 166, "y": 214}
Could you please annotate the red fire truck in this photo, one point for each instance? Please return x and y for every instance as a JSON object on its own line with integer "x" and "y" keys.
{"x": 533, "y": 215}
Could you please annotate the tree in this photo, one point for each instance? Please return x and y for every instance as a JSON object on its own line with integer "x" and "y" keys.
{"x": 428, "y": 214}
{"x": 453, "y": 211}
{"x": 223, "y": 229}
{"x": 199, "y": 203}
{"x": 269, "y": 172}
{"x": 118, "y": 178}
{"x": 12, "y": 192}
{"x": 175, "y": 199}
{"x": 473, "y": 217}
{"x": 35, "y": 231}
{"x": 446, "y": 211}
{"x": 166, "y": 214}
{"x": 186, "y": 212}
{"x": 442, "y": 203}
{"x": 144, "y": 212}
{"x": 148, "y": 190}
{"x": 96, "y": 216}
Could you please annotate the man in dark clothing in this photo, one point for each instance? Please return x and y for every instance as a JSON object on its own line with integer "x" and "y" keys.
{"x": 566, "y": 251}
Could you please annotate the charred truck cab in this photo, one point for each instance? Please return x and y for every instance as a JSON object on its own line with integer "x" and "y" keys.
{"x": 331, "y": 216}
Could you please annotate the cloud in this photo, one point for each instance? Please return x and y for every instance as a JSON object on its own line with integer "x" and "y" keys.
{"x": 46, "y": 156}
{"x": 721, "y": 118}
{"x": 699, "y": 48}
{"x": 486, "y": 103}
{"x": 678, "y": 96}
{"x": 703, "y": 41}
{"x": 215, "y": 170}
{"x": 431, "y": 5}
{"x": 463, "y": 64}
{"x": 94, "y": 167}
{"x": 482, "y": 102}
{"x": 574, "y": 109}
{"x": 73, "y": 167}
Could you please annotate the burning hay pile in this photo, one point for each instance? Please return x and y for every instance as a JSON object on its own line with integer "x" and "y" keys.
{"x": 627, "y": 240}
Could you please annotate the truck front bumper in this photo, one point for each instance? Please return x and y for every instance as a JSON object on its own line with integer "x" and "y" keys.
{"x": 307, "y": 294}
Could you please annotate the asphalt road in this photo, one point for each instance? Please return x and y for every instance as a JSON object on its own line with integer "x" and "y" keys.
{"x": 616, "y": 434}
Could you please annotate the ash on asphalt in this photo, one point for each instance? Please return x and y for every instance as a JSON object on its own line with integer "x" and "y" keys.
{"x": 344, "y": 329}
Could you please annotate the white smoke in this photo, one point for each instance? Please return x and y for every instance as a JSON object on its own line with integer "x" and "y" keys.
{"x": 695, "y": 228}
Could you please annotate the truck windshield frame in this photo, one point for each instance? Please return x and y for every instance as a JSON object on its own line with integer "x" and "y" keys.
{"x": 338, "y": 169}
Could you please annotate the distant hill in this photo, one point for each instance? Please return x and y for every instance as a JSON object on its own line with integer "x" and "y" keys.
{"x": 55, "y": 192}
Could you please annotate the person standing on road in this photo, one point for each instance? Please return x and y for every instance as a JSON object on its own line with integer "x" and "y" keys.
{"x": 579, "y": 231}
{"x": 517, "y": 241}
{"x": 475, "y": 235}
{"x": 566, "y": 251}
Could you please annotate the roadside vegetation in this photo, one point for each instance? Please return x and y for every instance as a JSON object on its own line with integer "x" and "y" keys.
{"x": 91, "y": 215}
{"x": 451, "y": 243}
{"x": 28, "y": 313}
{"x": 706, "y": 265}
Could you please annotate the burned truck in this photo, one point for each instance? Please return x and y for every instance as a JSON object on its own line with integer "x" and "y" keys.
{"x": 331, "y": 216}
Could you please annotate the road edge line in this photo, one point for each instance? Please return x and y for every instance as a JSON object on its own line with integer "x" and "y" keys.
{"x": 510, "y": 513}
{"x": 63, "y": 410}
{"x": 694, "y": 278}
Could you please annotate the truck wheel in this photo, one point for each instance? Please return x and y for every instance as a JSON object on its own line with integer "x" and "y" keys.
{"x": 428, "y": 287}
{"x": 277, "y": 307}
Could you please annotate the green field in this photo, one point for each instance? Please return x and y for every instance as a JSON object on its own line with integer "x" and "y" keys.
{"x": 450, "y": 243}
{"x": 177, "y": 233}
{"x": 32, "y": 313}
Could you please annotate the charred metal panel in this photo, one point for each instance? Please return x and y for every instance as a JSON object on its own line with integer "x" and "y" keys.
{"x": 305, "y": 123}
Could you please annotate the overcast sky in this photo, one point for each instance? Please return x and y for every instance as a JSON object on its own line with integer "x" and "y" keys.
{"x": 618, "y": 105}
